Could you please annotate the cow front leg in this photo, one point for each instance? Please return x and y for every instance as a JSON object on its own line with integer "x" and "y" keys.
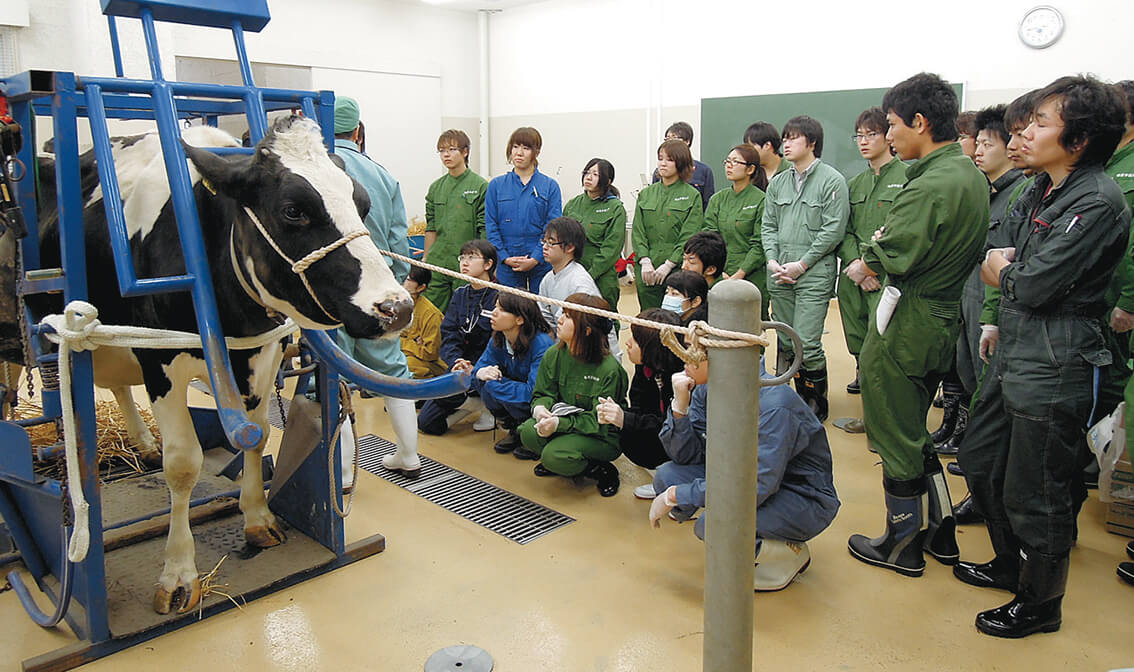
{"x": 149, "y": 451}
{"x": 261, "y": 529}
{"x": 179, "y": 585}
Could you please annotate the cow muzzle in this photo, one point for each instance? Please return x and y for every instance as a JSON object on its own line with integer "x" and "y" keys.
{"x": 394, "y": 313}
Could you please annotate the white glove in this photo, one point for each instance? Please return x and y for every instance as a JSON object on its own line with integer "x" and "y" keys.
{"x": 540, "y": 412}
{"x": 547, "y": 426}
{"x": 682, "y": 391}
{"x": 662, "y": 505}
{"x": 989, "y": 337}
{"x": 609, "y": 413}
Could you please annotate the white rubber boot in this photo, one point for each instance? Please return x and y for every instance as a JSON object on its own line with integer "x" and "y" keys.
{"x": 403, "y": 416}
{"x": 778, "y": 563}
{"x": 468, "y": 407}
{"x": 346, "y": 454}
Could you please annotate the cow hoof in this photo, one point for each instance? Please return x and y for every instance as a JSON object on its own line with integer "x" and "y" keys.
{"x": 151, "y": 459}
{"x": 182, "y": 598}
{"x": 265, "y": 536}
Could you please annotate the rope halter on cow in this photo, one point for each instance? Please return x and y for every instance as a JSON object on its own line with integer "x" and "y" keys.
{"x": 298, "y": 267}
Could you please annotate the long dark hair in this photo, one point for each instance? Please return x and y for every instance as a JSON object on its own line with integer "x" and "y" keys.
{"x": 757, "y": 178}
{"x": 655, "y": 355}
{"x": 605, "y": 176}
{"x": 590, "y": 344}
{"x": 533, "y": 324}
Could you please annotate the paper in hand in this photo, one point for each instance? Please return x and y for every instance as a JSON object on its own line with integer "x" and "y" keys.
{"x": 562, "y": 410}
{"x": 886, "y": 306}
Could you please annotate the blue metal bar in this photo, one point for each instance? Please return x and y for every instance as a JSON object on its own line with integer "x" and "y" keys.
{"x": 327, "y": 118}
{"x": 26, "y": 188}
{"x": 341, "y": 364}
{"x": 66, "y": 582}
{"x": 234, "y": 494}
{"x": 113, "y": 26}
{"x": 253, "y": 97}
{"x": 150, "y": 33}
{"x": 223, "y": 91}
{"x": 241, "y": 432}
{"x": 242, "y": 53}
{"x": 21, "y": 534}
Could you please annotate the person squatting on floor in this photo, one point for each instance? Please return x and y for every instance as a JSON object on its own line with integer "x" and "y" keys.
{"x": 796, "y": 498}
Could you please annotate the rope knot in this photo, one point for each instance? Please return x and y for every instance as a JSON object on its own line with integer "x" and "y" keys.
{"x": 78, "y": 324}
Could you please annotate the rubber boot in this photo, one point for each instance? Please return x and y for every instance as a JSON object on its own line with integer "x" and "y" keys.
{"x": 812, "y": 386}
{"x": 403, "y": 417}
{"x": 778, "y": 563}
{"x": 953, "y": 444}
{"x": 1003, "y": 570}
{"x": 941, "y": 535}
{"x": 899, "y": 548}
{"x": 965, "y": 512}
{"x": 951, "y": 394}
{"x": 605, "y": 475}
{"x": 346, "y": 455}
{"x": 1037, "y": 606}
{"x": 783, "y": 362}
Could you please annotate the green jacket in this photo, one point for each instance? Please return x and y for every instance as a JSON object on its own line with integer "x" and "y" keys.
{"x": 808, "y": 225}
{"x": 936, "y": 229}
{"x": 604, "y": 220}
{"x": 1121, "y": 290}
{"x": 664, "y": 218}
{"x": 454, "y": 210}
{"x": 737, "y": 218}
{"x": 563, "y": 378}
{"x": 870, "y": 199}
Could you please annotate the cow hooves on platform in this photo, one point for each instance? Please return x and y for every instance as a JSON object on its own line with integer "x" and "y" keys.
{"x": 265, "y": 536}
{"x": 182, "y": 598}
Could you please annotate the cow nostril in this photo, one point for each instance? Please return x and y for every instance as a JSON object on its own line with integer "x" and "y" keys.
{"x": 395, "y": 312}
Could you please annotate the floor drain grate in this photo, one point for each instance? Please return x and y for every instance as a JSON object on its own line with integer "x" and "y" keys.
{"x": 498, "y": 510}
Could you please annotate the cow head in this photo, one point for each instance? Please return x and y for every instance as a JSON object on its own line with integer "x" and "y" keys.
{"x": 293, "y": 201}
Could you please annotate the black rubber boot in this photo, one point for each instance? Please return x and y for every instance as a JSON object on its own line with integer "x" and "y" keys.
{"x": 812, "y": 386}
{"x": 1037, "y": 606}
{"x": 1130, "y": 550}
{"x": 1126, "y": 572}
{"x": 899, "y": 548}
{"x": 955, "y": 469}
{"x": 965, "y": 512}
{"x": 854, "y": 387}
{"x": 1002, "y": 571}
{"x": 951, "y": 394}
{"x": 953, "y": 444}
{"x": 512, "y": 440}
{"x": 941, "y": 534}
{"x": 605, "y": 475}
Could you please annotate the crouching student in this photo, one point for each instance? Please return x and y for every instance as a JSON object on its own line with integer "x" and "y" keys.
{"x": 505, "y": 375}
{"x": 464, "y": 334}
{"x": 686, "y": 294}
{"x": 421, "y": 341}
{"x": 564, "y": 431}
{"x": 650, "y": 395}
{"x": 796, "y": 497}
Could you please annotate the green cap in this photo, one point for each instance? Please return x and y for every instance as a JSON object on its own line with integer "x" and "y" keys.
{"x": 346, "y": 114}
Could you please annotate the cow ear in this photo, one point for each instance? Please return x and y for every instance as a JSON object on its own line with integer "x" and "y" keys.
{"x": 224, "y": 175}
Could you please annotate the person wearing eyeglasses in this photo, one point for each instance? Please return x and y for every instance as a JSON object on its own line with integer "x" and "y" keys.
{"x": 702, "y": 176}
{"x": 805, "y": 218}
{"x": 564, "y": 244}
{"x": 603, "y": 217}
{"x": 737, "y": 214}
{"x": 872, "y": 193}
{"x": 454, "y": 214}
{"x": 517, "y": 208}
{"x": 666, "y": 214}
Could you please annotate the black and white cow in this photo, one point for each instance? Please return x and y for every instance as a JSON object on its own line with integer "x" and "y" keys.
{"x": 288, "y": 195}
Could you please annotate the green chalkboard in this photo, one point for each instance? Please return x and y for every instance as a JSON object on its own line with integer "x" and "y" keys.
{"x": 723, "y": 121}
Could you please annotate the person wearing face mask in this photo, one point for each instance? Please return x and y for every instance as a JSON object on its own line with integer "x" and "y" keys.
{"x": 686, "y": 293}
{"x": 517, "y": 207}
{"x": 603, "y": 218}
{"x": 667, "y": 213}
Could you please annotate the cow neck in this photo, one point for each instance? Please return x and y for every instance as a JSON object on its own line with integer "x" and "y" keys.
{"x": 272, "y": 313}
{"x": 300, "y": 267}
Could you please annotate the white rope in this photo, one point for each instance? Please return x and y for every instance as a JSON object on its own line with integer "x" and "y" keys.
{"x": 79, "y": 329}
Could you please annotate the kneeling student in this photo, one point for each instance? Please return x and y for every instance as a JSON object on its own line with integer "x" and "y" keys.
{"x": 421, "y": 341}
{"x": 793, "y": 451}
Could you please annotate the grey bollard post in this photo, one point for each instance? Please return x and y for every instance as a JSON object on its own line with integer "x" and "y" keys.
{"x": 730, "y": 507}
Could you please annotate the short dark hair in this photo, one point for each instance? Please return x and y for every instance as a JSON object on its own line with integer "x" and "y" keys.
{"x": 991, "y": 120}
{"x": 422, "y": 276}
{"x": 1126, "y": 89}
{"x": 1018, "y": 113}
{"x": 591, "y": 331}
{"x": 605, "y": 175}
{"x": 872, "y": 119}
{"x": 483, "y": 248}
{"x": 523, "y": 307}
{"x": 710, "y": 248}
{"x": 690, "y": 285}
{"x": 1093, "y": 113}
{"x": 931, "y": 97}
{"x": 761, "y": 133}
{"x": 655, "y": 355}
{"x": 527, "y": 136}
{"x": 967, "y": 124}
{"x": 808, "y": 128}
{"x": 458, "y": 139}
{"x": 679, "y": 153}
{"x": 570, "y": 232}
{"x": 752, "y": 158}
{"x": 682, "y": 130}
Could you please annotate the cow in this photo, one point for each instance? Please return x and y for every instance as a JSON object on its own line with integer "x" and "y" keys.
{"x": 288, "y": 198}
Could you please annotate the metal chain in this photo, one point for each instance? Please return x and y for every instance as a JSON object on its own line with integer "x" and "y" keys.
{"x": 279, "y": 400}
{"x": 21, "y": 319}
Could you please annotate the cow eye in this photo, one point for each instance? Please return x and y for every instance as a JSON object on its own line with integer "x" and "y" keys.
{"x": 292, "y": 213}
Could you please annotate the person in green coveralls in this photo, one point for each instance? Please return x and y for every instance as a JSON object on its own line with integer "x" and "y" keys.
{"x": 578, "y": 372}
{"x": 766, "y": 140}
{"x": 1022, "y": 452}
{"x": 603, "y": 217}
{"x": 667, "y": 213}
{"x": 805, "y": 218}
{"x": 737, "y": 214}
{"x": 454, "y": 214}
{"x": 934, "y": 233}
{"x": 872, "y": 193}
{"x": 1121, "y": 168}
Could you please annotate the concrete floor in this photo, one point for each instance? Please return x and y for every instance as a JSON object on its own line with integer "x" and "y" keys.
{"x": 609, "y": 593}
